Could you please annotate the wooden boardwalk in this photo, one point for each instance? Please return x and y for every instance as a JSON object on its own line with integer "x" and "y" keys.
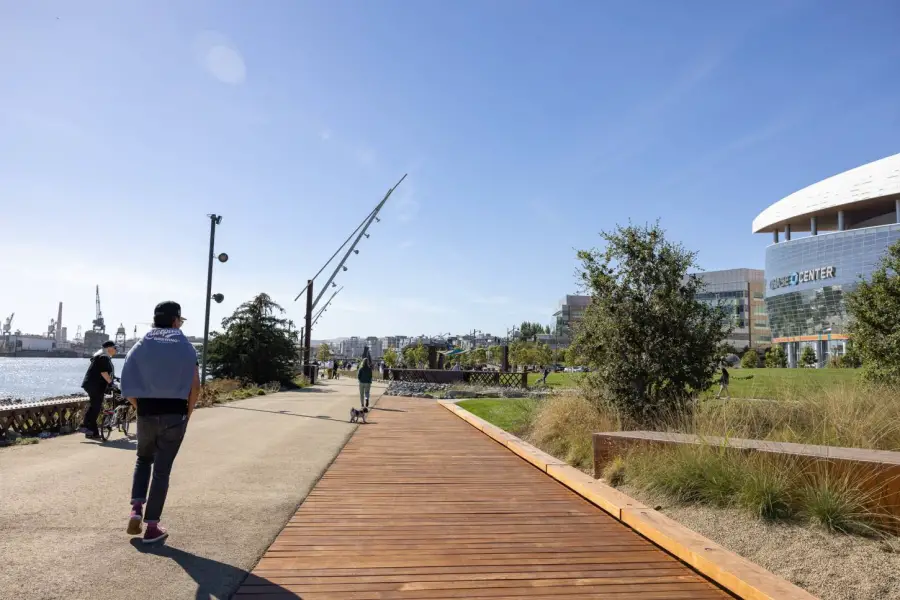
{"x": 420, "y": 505}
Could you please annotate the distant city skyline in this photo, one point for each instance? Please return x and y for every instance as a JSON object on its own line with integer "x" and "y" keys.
{"x": 525, "y": 127}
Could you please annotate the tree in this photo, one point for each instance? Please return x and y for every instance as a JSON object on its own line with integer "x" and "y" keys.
{"x": 750, "y": 359}
{"x": 390, "y": 357}
{"x": 415, "y": 356}
{"x": 543, "y": 355}
{"x": 255, "y": 345}
{"x": 651, "y": 344}
{"x": 875, "y": 327}
{"x": 479, "y": 356}
{"x": 528, "y": 331}
{"x": 324, "y": 352}
{"x": 495, "y": 354}
{"x": 808, "y": 356}
{"x": 776, "y": 358}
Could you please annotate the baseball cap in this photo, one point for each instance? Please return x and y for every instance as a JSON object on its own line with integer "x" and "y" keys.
{"x": 109, "y": 344}
{"x": 168, "y": 309}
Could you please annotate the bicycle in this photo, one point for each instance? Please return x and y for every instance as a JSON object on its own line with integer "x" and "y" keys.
{"x": 117, "y": 415}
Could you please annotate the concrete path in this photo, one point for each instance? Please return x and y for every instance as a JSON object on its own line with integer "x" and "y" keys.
{"x": 243, "y": 469}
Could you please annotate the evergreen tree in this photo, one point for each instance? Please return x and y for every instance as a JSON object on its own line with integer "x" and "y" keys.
{"x": 255, "y": 346}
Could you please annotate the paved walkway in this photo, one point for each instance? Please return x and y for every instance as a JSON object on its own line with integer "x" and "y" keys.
{"x": 421, "y": 505}
{"x": 240, "y": 475}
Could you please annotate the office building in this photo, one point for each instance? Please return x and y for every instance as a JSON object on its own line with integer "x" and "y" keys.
{"x": 851, "y": 219}
{"x": 571, "y": 309}
{"x": 742, "y": 293}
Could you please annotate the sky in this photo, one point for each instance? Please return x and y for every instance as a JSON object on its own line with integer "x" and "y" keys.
{"x": 524, "y": 127}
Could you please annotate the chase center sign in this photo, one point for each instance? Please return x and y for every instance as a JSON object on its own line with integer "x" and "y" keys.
{"x": 798, "y": 277}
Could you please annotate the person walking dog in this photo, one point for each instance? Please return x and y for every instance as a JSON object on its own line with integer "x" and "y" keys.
{"x": 160, "y": 378}
{"x": 364, "y": 375}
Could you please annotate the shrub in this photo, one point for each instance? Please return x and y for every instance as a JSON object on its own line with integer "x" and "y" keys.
{"x": 562, "y": 426}
{"x": 836, "y": 504}
{"x": 687, "y": 473}
{"x": 766, "y": 488}
{"x": 776, "y": 357}
{"x": 750, "y": 359}
{"x": 614, "y": 472}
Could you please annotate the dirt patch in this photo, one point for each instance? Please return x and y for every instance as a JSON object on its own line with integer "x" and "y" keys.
{"x": 832, "y": 567}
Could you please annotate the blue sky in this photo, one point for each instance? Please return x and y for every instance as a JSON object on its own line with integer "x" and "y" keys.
{"x": 525, "y": 128}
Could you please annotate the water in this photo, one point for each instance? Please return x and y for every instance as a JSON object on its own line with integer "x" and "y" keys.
{"x": 35, "y": 378}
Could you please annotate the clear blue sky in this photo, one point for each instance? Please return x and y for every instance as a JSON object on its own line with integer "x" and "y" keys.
{"x": 525, "y": 127}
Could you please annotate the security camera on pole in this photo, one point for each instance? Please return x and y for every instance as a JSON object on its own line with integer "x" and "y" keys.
{"x": 213, "y": 221}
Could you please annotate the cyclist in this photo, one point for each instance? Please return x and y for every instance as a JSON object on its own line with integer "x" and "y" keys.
{"x": 98, "y": 377}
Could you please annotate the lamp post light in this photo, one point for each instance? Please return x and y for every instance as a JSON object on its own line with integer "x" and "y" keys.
{"x": 213, "y": 221}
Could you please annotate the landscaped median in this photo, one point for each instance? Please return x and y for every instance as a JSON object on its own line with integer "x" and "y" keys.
{"x": 738, "y": 575}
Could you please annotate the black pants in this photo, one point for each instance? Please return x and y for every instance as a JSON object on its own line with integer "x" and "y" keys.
{"x": 93, "y": 412}
{"x": 159, "y": 439}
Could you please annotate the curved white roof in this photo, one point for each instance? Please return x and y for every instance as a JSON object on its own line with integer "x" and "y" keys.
{"x": 873, "y": 180}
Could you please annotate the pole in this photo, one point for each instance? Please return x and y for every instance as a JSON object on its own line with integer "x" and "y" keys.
{"x": 212, "y": 243}
{"x": 307, "y": 342}
{"x": 362, "y": 232}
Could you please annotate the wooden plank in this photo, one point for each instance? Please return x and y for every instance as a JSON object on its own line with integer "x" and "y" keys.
{"x": 420, "y": 504}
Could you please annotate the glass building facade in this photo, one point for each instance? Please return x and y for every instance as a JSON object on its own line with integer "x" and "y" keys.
{"x": 742, "y": 293}
{"x": 806, "y": 283}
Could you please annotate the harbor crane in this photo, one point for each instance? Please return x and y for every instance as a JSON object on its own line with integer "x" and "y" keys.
{"x": 99, "y": 324}
{"x": 7, "y": 325}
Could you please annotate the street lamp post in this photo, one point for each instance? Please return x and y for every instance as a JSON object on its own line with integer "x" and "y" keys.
{"x": 213, "y": 221}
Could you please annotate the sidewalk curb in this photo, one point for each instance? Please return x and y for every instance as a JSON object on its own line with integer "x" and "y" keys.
{"x": 743, "y": 578}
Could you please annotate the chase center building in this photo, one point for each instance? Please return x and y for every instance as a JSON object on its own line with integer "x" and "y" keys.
{"x": 850, "y": 220}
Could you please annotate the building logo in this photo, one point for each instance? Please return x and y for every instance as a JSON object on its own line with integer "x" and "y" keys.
{"x": 798, "y": 277}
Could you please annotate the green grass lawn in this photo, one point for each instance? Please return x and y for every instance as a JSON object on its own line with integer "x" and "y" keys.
{"x": 776, "y": 383}
{"x": 509, "y": 414}
{"x": 556, "y": 380}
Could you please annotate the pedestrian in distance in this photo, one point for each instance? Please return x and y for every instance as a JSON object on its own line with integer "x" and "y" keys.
{"x": 364, "y": 376}
{"x": 161, "y": 380}
{"x": 723, "y": 384}
{"x": 98, "y": 377}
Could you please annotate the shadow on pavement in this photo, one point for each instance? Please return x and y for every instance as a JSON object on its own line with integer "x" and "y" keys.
{"x": 284, "y": 412}
{"x": 125, "y": 443}
{"x": 214, "y": 579}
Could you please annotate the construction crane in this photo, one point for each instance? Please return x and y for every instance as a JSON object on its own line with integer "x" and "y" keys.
{"x": 7, "y": 325}
{"x": 79, "y": 337}
{"x": 99, "y": 325}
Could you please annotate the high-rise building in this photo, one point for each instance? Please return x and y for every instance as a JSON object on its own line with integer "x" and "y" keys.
{"x": 742, "y": 293}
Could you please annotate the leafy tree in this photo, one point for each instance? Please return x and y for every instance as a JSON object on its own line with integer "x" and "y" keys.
{"x": 572, "y": 358}
{"x": 324, "y": 352}
{"x": 390, "y": 357}
{"x": 650, "y": 342}
{"x": 543, "y": 354}
{"x": 776, "y": 357}
{"x": 851, "y": 359}
{"x": 875, "y": 308}
{"x": 415, "y": 356}
{"x": 750, "y": 359}
{"x": 808, "y": 356}
{"x": 479, "y": 356}
{"x": 529, "y": 331}
{"x": 495, "y": 354}
{"x": 255, "y": 346}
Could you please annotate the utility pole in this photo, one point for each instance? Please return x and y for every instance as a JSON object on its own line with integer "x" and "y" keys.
{"x": 307, "y": 342}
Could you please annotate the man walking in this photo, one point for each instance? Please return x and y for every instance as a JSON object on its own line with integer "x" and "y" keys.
{"x": 723, "y": 384}
{"x": 364, "y": 375}
{"x": 160, "y": 378}
{"x": 99, "y": 375}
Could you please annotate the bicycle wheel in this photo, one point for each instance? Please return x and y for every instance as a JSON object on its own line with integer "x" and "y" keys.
{"x": 106, "y": 426}
{"x": 127, "y": 416}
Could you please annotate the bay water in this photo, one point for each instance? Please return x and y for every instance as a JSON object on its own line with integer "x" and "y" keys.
{"x": 36, "y": 378}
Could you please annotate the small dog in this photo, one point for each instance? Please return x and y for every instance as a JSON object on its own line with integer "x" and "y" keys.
{"x": 357, "y": 414}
